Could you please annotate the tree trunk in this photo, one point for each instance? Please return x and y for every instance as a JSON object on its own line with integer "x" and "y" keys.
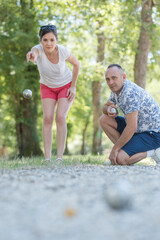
{"x": 69, "y": 132}
{"x": 144, "y": 44}
{"x": 83, "y": 137}
{"x": 26, "y": 110}
{"x": 26, "y": 115}
{"x": 96, "y": 91}
{"x": 66, "y": 150}
{"x": 96, "y": 96}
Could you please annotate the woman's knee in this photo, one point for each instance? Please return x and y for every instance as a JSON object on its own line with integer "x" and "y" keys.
{"x": 60, "y": 119}
{"x": 47, "y": 119}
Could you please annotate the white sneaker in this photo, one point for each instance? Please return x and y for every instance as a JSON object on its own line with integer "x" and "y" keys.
{"x": 156, "y": 156}
{"x": 59, "y": 160}
{"x": 45, "y": 161}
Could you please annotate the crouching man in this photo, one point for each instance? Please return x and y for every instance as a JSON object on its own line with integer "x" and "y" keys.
{"x": 136, "y": 135}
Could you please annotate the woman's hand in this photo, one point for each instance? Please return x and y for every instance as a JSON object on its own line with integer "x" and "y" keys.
{"x": 71, "y": 93}
{"x": 32, "y": 56}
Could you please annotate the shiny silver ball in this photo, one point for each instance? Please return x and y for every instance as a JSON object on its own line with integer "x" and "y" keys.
{"x": 27, "y": 93}
{"x": 114, "y": 110}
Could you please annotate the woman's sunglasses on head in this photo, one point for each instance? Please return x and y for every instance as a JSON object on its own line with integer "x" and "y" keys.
{"x": 50, "y": 27}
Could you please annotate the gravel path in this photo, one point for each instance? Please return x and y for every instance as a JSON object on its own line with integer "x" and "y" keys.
{"x": 69, "y": 203}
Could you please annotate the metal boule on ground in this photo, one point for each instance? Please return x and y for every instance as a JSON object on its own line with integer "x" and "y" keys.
{"x": 119, "y": 194}
{"x": 48, "y": 203}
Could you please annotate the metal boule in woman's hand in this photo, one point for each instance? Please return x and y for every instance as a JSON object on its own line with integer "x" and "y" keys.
{"x": 27, "y": 93}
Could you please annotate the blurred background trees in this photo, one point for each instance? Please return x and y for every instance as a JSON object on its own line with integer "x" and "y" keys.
{"x": 18, "y": 28}
{"x": 98, "y": 32}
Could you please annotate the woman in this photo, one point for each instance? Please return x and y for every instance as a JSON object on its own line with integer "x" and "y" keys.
{"x": 57, "y": 84}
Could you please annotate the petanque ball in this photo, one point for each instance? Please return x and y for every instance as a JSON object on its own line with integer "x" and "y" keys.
{"x": 27, "y": 93}
{"x": 119, "y": 194}
{"x": 114, "y": 110}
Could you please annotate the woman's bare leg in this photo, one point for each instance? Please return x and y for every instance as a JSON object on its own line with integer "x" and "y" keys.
{"x": 63, "y": 107}
{"x": 48, "y": 107}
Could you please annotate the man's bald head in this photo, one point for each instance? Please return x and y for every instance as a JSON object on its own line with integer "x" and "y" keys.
{"x": 117, "y": 66}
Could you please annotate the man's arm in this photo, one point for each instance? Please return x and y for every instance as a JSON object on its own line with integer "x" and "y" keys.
{"x": 131, "y": 119}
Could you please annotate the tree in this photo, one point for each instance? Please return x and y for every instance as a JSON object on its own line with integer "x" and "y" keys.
{"x": 79, "y": 28}
{"x": 96, "y": 93}
{"x": 144, "y": 44}
{"x": 19, "y": 28}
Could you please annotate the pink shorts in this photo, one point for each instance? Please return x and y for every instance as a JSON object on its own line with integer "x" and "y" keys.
{"x": 54, "y": 93}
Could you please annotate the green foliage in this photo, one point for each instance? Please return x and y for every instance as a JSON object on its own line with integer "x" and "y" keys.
{"x": 78, "y": 23}
{"x": 17, "y": 36}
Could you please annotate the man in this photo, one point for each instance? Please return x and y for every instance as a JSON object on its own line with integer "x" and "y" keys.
{"x": 137, "y": 135}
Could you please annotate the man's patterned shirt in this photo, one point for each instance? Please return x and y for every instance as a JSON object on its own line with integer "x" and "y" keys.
{"x": 134, "y": 98}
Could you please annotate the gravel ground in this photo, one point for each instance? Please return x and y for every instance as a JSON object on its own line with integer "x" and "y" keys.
{"x": 69, "y": 203}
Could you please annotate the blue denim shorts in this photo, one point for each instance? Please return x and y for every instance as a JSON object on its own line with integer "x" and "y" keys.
{"x": 140, "y": 142}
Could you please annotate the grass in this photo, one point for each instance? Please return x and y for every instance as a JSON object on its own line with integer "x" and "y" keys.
{"x": 76, "y": 160}
{"x": 36, "y": 162}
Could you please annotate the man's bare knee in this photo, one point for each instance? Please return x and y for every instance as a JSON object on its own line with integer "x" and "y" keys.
{"x": 122, "y": 162}
{"x": 122, "y": 158}
{"x": 103, "y": 120}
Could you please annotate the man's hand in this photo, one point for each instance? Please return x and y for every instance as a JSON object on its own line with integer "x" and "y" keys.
{"x": 107, "y": 110}
{"x": 113, "y": 156}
